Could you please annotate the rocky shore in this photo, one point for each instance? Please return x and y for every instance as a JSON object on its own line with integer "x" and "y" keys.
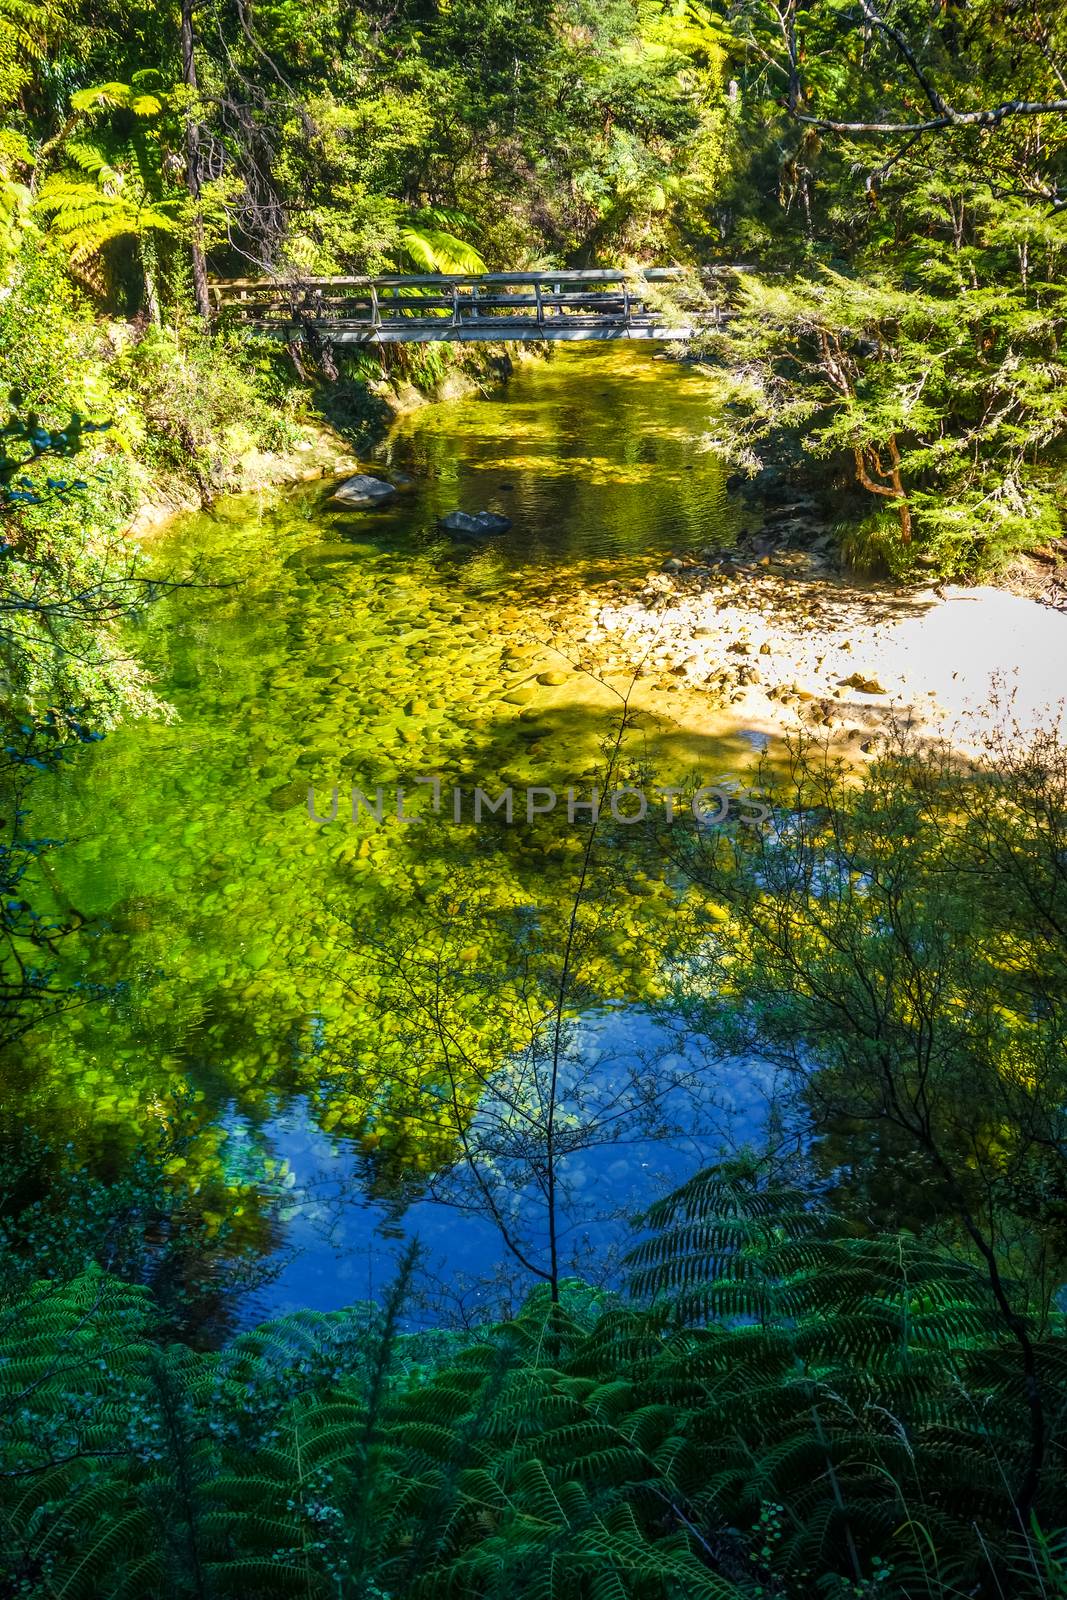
{"x": 317, "y": 453}
{"x": 318, "y": 450}
{"x": 782, "y": 642}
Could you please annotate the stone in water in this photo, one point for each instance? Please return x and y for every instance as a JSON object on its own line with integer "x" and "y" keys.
{"x": 362, "y": 491}
{"x": 474, "y": 525}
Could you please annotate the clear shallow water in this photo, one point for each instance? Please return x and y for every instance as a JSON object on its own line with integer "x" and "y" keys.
{"x": 233, "y": 951}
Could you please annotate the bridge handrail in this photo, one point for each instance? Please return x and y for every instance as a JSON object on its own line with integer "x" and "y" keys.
{"x": 224, "y": 286}
{"x": 548, "y": 303}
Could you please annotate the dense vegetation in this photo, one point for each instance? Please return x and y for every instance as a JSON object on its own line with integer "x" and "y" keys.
{"x": 913, "y": 334}
{"x": 780, "y": 1409}
{"x": 840, "y": 1369}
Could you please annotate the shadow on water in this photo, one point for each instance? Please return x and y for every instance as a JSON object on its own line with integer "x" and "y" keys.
{"x": 220, "y": 953}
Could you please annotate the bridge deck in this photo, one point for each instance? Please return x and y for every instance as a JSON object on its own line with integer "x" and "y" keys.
{"x": 603, "y": 303}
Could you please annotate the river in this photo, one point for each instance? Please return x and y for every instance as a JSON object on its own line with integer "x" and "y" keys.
{"x": 255, "y": 984}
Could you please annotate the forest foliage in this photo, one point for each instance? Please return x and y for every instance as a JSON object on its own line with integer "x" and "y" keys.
{"x": 778, "y": 1408}
{"x": 793, "y": 1399}
{"x": 912, "y": 333}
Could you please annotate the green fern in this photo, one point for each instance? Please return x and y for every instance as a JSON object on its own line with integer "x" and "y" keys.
{"x": 114, "y": 185}
{"x": 783, "y": 1407}
{"x": 117, "y": 199}
{"x": 430, "y": 246}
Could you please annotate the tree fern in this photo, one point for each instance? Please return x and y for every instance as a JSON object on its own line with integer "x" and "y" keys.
{"x": 114, "y": 185}
{"x": 427, "y": 241}
{"x": 115, "y": 200}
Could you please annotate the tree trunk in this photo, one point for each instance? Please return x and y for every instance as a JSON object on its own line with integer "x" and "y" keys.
{"x": 894, "y": 489}
{"x": 149, "y": 270}
{"x": 192, "y": 165}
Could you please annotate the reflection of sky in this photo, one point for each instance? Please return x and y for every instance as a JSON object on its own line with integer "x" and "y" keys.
{"x": 339, "y": 1246}
{"x": 188, "y": 849}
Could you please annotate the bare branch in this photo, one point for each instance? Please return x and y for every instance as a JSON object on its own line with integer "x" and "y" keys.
{"x": 991, "y": 117}
{"x": 939, "y": 105}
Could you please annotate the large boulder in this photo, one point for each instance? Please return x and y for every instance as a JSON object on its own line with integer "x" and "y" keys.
{"x": 474, "y": 524}
{"x": 361, "y": 492}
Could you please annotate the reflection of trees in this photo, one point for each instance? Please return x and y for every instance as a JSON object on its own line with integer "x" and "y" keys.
{"x": 481, "y": 994}
{"x": 31, "y": 986}
{"x": 904, "y": 947}
{"x": 219, "y": 914}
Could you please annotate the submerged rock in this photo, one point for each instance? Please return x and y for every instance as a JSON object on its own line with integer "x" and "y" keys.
{"x": 318, "y": 555}
{"x": 474, "y": 525}
{"x": 287, "y": 795}
{"x": 362, "y": 491}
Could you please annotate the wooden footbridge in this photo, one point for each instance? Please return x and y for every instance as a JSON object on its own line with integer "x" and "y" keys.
{"x": 604, "y": 303}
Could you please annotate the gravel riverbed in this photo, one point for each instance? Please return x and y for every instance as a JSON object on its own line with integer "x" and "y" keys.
{"x": 783, "y": 643}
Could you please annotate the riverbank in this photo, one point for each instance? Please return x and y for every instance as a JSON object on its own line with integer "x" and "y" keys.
{"x": 317, "y": 449}
{"x": 779, "y": 645}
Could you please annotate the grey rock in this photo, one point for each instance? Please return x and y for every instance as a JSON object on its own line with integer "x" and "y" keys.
{"x": 288, "y": 795}
{"x": 474, "y": 525}
{"x": 803, "y": 506}
{"x": 362, "y": 491}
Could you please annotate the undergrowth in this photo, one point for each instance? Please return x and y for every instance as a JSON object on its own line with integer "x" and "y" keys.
{"x": 779, "y": 1407}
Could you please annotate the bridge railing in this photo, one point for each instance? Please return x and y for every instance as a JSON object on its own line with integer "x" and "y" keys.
{"x": 504, "y": 305}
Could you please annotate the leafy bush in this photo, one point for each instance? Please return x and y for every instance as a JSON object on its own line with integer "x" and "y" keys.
{"x": 782, "y": 1408}
{"x": 49, "y": 343}
{"x": 205, "y": 402}
{"x": 944, "y": 398}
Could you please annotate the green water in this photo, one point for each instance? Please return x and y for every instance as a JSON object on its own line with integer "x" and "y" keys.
{"x": 224, "y": 954}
